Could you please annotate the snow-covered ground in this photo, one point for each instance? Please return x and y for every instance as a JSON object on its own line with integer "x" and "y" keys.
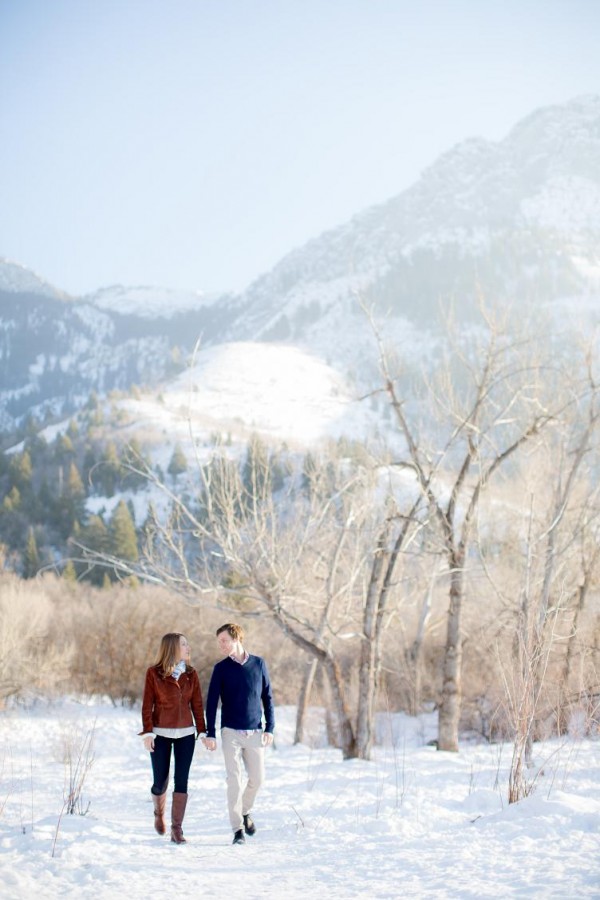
{"x": 411, "y": 823}
{"x": 281, "y": 392}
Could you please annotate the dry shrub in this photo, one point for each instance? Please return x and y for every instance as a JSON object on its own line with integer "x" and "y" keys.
{"x": 58, "y": 636}
{"x": 30, "y": 662}
{"x": 118, "y": 632}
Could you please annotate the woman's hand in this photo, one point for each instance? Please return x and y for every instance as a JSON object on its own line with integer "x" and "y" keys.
{"x": 209, "y": 743}
{"x": 149, "y": 743}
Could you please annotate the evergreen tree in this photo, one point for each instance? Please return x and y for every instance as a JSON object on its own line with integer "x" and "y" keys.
{"x": 256, "y": 471}
{"x": 37, "y": 447}
{"x": 278, "y": 469}
{"x": 31, "y": 557}
{"x": 134, "y": 459}
{"x": 95, "y": 535}
{"x": 149, "y": 526}
{"x": 12, "y": 501}
{"x": 88, "y": 466}
{"x": 21, "y": 471}
{"x": 64, "y": 451}
{"x": 45, "y": 503}
{"x": 109, "y": 470}
{"x": 14, "y": 520}
{"x": 74, "y": 486}
{"x": 30, "y": 426}
{"x": 123, "y": 539}
{"x": 70, "y": 506}
{"x": 69, "y": 573}
{"x": 96, "y": 538}
{"x": 309, "y": 471}
{"x": 73, "y": 430}
{"x": 92, "y": 402}
{"x": 178, "y": 463}
{"x": 149, "y": 529}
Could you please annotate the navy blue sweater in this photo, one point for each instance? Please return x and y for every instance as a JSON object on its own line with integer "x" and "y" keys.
{"x": 241, "y": 690}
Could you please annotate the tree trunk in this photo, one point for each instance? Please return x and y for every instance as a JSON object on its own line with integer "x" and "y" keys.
{"x": 416, "y": 650}
{"x": 366, "y": 700}
{"x": 562, "y": 717}
{"x": 340, "y": 709}
{"x": 304, "y": 699}
{"x": 368, "y": 652}
{"x": 450, "y": 705}
{"x": 380, "y": 583}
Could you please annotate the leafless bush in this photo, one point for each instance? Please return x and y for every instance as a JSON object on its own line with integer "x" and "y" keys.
{"x": 30, "y": 663}
{"x": 77, "y": 745}
{"x": 77, "y": 752}
{"x": 117, "y": 632}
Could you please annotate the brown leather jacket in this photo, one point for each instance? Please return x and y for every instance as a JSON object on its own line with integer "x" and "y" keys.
{"x": 169, "y": 703}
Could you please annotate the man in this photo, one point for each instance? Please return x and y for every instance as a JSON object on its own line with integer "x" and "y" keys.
{"x": 241, "y": 682}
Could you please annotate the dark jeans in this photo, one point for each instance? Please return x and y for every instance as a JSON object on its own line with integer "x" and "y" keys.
{"x": 183, "y": 751}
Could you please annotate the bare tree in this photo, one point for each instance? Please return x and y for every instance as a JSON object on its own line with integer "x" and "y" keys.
{"x": 397, "y": 532}
{"x": 538, "y": 547}
{"x": 558, "y": 573}
{"x": 415, "y": 652}
{"x": 301, "y": 555}
{"x": 486, "y": 402}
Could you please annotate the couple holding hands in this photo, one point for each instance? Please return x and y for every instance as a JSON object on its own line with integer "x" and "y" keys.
{"x": 173, "y": 716}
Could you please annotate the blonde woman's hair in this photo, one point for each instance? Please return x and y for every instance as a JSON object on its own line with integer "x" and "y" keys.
{"x": 168, "y": 654}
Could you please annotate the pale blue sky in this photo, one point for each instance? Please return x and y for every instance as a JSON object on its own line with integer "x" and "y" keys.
{"x": 192, "y": 143}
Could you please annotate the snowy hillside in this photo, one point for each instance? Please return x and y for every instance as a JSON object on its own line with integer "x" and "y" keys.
{"x": 281, "y": 392}
{"x": 511, "y": 219}
{"x": 17, "y": 279}
{"x": 516, "y": 221}
{"x": 149, "y": 302}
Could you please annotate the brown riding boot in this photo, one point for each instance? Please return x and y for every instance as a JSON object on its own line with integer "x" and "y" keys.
{"x": 177, "y": 814}
{"x": 159, "y": 801}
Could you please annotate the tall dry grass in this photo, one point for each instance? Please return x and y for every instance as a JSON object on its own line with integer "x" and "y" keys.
{"x": 60, "y": 637}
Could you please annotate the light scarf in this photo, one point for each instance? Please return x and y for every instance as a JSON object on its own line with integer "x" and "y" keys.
{"x": 179, "y": 669}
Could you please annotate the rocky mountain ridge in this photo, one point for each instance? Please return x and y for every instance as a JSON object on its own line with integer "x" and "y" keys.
{"x": 517, "y": 221}
{"x": 503, "y": 219}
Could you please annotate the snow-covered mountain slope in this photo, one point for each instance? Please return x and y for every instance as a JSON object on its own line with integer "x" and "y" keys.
{"x": 149, "y": 302}
{"x": 281, "y": 392}
{"x": 54, "y": 353}
{"x": 17, "y": 279}
{"x": 516, "y": 221}
{"x": 511, "y": 220}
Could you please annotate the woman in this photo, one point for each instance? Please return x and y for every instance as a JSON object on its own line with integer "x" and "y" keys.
{"x": 172, "y": 696}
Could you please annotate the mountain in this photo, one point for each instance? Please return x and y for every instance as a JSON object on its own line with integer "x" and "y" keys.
{"x": 55, "y": 350}
{"x": 517, "y": 221}
{"x": 150, "y": 302}
{"x": 16, "y": 279}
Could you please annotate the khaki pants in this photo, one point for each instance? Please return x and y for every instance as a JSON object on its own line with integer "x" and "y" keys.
{"x": 242, "y": 752}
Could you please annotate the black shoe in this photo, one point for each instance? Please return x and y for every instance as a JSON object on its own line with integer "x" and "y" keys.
{"x": 249, "y": 826}
{"x": 238, "y": 837}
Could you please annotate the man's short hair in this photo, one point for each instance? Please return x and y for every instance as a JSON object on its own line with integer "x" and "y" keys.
{"x": 235, "y": 632}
